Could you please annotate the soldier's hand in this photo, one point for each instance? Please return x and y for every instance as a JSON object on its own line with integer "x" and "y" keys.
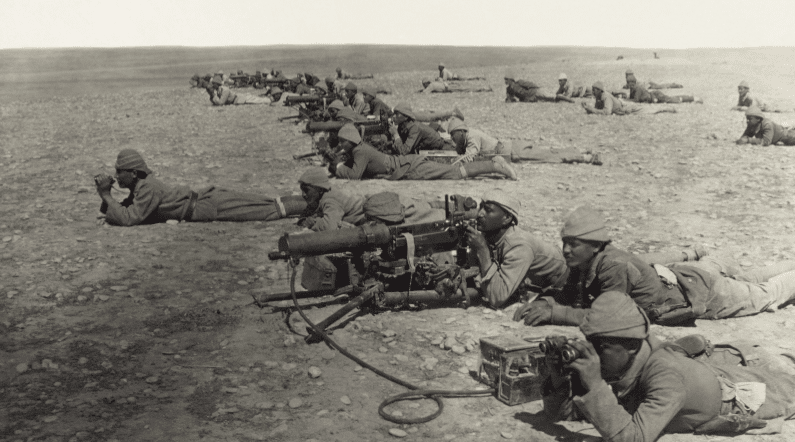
{"x": 476, "y": 240}
{"x": 103, "y": 182}
{"x": 588, "y": 365}
{"x": 534, "y": 313}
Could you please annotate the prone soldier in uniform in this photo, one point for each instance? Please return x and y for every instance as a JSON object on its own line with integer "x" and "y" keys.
{"x": 633, "y": 387}
{"x": 523, "y": 91}
{"x": 151, "y": 201}
{"x": 363, "y": 161}
{"x": 761, "y": 130}
{"x": 327, "y": 208}
{"x": 439, "y": 86}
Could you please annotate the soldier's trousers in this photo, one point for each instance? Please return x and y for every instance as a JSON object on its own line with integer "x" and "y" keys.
{"x": 216, "y": 204}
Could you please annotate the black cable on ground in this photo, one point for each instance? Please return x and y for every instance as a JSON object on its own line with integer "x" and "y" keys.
{"x": 435, "y": 395}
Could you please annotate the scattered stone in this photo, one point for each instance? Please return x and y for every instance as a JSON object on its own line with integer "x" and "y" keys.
{"x": 388, "y": 333}
{"x": 104, "y": 297}
{"x": 124, "y": 345}
{"x": 289, "y": 366}
{"x": 383, "y": 349}
{"x": 267, "y": 405}
{"x": 152, "y": 379}
{"x": 289, "y": 341}
{"x": 506, "y": 435}
{"x": 450, "y": 320}
{"x": 23, "y": 367}
{"x": 437, "y": 341}
{"x": 295, "y": 402}
{"x": 82, "y": 298}
{"x": 49, "y": 419}
{"x": 314, "y": 372}
{"x": 82, "y": 361}
{"x": 11, "y": 294}
{"x": 357, "y": 368}
{"x": 397, "y": 432}
{"x": 345, "y": 400}
{"x": 459, "y": 349}
{"x": 225, "y": 342}
{"x": 402, "y": 358}
{"x": 118, "y": 288}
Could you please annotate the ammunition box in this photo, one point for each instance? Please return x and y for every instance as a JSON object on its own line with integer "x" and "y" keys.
{"x": 514, "y": 367}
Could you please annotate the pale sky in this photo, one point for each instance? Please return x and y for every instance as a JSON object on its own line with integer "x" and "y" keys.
{"x": 670, "y": 24}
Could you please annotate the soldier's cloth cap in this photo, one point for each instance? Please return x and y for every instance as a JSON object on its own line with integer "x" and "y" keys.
{"x": 510, "y": 75}
{"x": 320, "y": 85}
{"x": 337, "y": 104}
{"x": 585, "y": 223}
{"x": 615, "y": 314}
{"x": 385, "y": 206}
{"x": 754, "y": 112}
{"x": 329, "y": 80}
{"x": 130, "y": 159}
{"x": 628, "y": 72}
{"x": 276, "y": 90}
{"x": 218, "y": 80}
{"x": 405, "y": 109}
{"x": 349, "y": 132}
{"x": 598, "y": 85}
{"x": 371, "y": 91}
{"x": 316, "y": 177}
{"x": 744, "y": 84}
{"x": 456, "y": 124}
{"x": 631, "y": 77}
{"x": 339, "y": 69}
{"x": 504, "y": 200}
{"x": 426, "y": 80}
{"x": 351, "y": 87}
{"x": 562, "y": 76}
{"x": 347, "y": 113}
{"x": 441, "y": 65}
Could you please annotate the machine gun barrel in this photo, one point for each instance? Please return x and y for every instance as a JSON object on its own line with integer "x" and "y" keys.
{"x": 296, "y": 99}
{"x": 371, "y": 127}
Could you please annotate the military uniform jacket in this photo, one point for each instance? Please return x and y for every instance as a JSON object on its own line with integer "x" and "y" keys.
{"x": 480, "y": 142}
{"x": 151, "y": 201}
{"x": 366, "y": 162}
{"x": 663, "y": 391}
{"x": 768, "y": 131}
{"x": 519, "y": 257}
{"x": 225, "y": 96}
{"x": 336, "y": 207}
{"x": 608, "y": 105}
{"x": 415, "y": 136}
{"x": 565, "y": 90}
{"x": 748, "y": 100}
{"x": 640, "y": 94}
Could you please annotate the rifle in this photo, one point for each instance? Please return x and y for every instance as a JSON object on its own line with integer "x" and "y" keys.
{"x": 393, "y": 266}
{"x": 367, "y": 127}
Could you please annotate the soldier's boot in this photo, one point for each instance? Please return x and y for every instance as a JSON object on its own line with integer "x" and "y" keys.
{"x": 496, "y": 165}
{"x": 696, "y": 253}
{"x": 587, "y": 158}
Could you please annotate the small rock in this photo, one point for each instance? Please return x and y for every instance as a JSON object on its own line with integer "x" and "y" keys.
{"x": 357, "y": 368}
{"x": 152, "y": 379}
{"x": 118, "y": 288}
{"x": 11, "y": 294}
{"x": 402, "y": 358}
{"x": 289, "y": 341}
{"x": 459, "y": 349}
{"x": 345, "y": 400}
{"x": 450, "y": 320}
{"x": 82, "y": 361}
{"x": 383, "y": 349}
{"x": 49, "y": 419}
{"x": 295, "y": 402}
{"x": 289, "y": 366}
{"x": 82, "y": 298}
{"x": 267, "y": 405}
{"x": 23, "y": 367}
{"x": 388, "y": 333}
{"x": 506, "y": 435}
{"x": 397, "y": 432}
{"x": 225, "y": 342}
{"x": 104, "y": 297}
{"x": 314, "y": 372}
{"x": 124, "y": 345}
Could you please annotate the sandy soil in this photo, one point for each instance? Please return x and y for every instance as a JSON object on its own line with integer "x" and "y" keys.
{"x": 149, "y": 333}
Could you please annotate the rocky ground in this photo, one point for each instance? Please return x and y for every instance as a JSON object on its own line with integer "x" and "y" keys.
{"x": 149, "y": 333}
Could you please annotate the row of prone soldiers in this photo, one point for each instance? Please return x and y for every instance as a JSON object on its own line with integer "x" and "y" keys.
{"x": 264, "y": 78}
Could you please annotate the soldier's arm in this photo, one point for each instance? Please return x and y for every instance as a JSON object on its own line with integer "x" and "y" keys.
{"x": 407, "y": 146}
{"x": 765, "y": 138}
{"x": 144, "y": 202}
{"x": 663, "y": 396}
{"x": 332, "y": 211}
{"x": 354, "y": 168}
{"x": 501, "y": 279}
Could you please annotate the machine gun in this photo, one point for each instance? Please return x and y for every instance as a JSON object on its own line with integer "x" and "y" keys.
{"x": 313, "y": 109}
{"x": 393, "y": 266}
{"x": 321, "y": 146}
{"x": 244, "y": 80}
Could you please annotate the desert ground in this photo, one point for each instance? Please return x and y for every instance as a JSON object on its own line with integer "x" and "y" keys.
{"x": 149, "y": 333}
